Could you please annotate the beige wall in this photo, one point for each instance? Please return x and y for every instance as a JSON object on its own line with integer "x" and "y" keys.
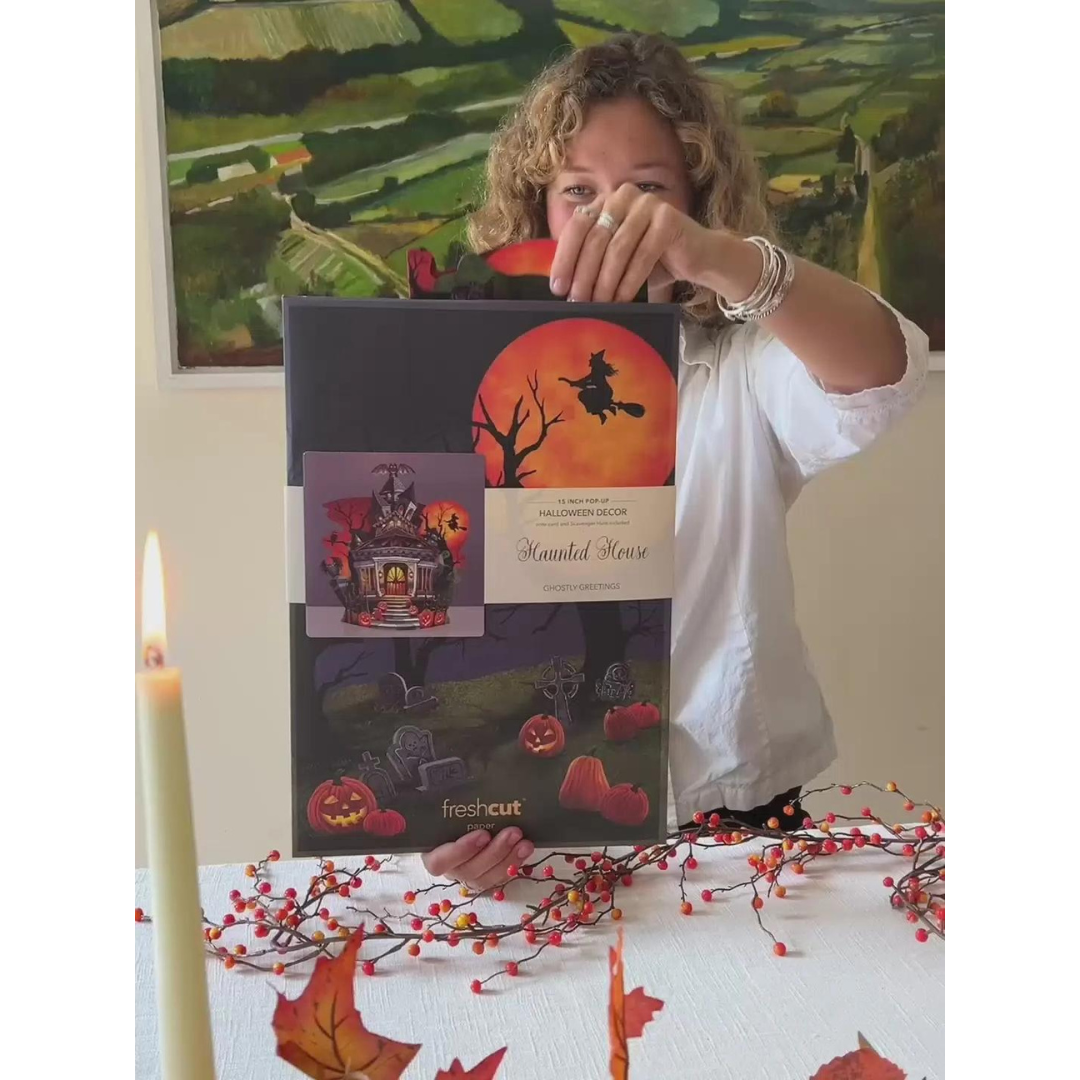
{"x": 867, "y": 544}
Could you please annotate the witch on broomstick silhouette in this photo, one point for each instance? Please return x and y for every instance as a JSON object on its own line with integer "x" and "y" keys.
{"x": 596, "y": 393}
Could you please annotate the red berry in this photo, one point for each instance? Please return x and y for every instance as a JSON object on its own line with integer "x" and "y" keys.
{"x": 331, "y": 924}
{"x": 549, "y": 871}
{"x": 691, "y": 863}
{"x": 580, "y": 864}
{"x": 908, "y": 804}
{"x": 417, "y": 924}
{"x": 714, "y": 821}
{"x": 560, "y": 889}
{"x": 779, "y": 948}
{"x": 433, "y": 909}
{"x": 912, "y": 917}
{"x": 409, "y": 898}
{"x": 475, "y": 986}
{"x": 428, "y": 936}
{"x": 662, "y": 864}
{"x": 380, "y": 928}
{"x": 262, "y": 931}
{"x": 139, "y": 914}
{"x": 628, "y": 880}
{"x": 921, "y": 934}
{"x": 830, "y": 817}
{"x": 511, "y": 871}
{"x": 587, "y": 908}
{"x": 847, "y": 844}
{"x": 229, "y": 963}
{"x": 473, "y": 918}
{"x": 941, "y": 850}
{"x": 758, "y": 903}
{"x": 860, "y": 841}
{"x": 875, "y": 839}
{"x": 867, "y": 812}
{"x": 264, "y": 887}
{"x": 370, "y": 861}
{"x": 274, "y": 856}
{"x": 228, "y": 920}
{"x": 699, "y": 818}
{"x": 808, "y": 822}
{"x": 367, "y": 967}
{"x": 493, "y": 940}
{"x": 845, "y": 789}
{"x": 921, "y": 833}
{"x": 527, "y": 871}
{"x": 478, "y": 948}
{"x": 686, "y": 907}
{"x": 234, "y": 895}
{"x": 555, "y": 938}
{"x": 452, "y": 940}
{"x": 888, "y": 883}
{"x": 240, "y": 907}
{"x": 290, "y": 893}
{"x": 511, "y": 968}
{"x": 413, "y": 949}
{"x": 829, "y": 847}
{"x": 706, "y": 895}
{"x": 279, "y": 968}
{"x": 498, "y": 894}
{"x": 909, "y": 850}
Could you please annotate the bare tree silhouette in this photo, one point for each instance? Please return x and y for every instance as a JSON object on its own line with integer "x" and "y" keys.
{"x": 513, "y": 456}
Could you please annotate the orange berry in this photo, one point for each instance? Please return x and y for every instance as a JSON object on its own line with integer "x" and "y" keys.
{"x": 279, "y": 969}
{"x": 413, "y": 949}
{"x": 758, "y": 903}
{"x": 909, "y": 805}
{"x": 891, "y": 785}
{"x": 229, "y": 963}
{"x": 139, "y": 914}
{"x": 328, "y": 867}
{"x": 318, "y": 936}
{"x": 686, "y": 907}
{"x": 798, "y": 868}
{"x": 445, "y": 906}
{"x": 240, "y": 950}
{"x": 342, "y": 932}
{"x": 249, "y": 870}
{"x": 779, "y": 948}
{"x": 789, "y": 810}
{"x": 616, "y": 913}
{"x": 215, "y": 933}
{"x": 773, "y": 823}
{"x": 478, "y": 948}
{"x": 780, "y": 891}
{"x": 410, "y": 898}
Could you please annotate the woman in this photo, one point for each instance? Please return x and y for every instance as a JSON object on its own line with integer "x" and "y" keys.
{"x": 635, "y": 166}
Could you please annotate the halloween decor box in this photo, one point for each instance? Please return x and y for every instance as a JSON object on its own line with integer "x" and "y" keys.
{"x": 481, "y": 511}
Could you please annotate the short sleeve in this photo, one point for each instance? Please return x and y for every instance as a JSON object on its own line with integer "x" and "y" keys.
{"x": 814, "y": 428}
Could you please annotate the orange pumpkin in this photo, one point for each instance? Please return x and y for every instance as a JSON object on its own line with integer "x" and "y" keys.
{"x": 542, "y": 736}
{"x": 645, "y": 714}
{"x": 584, "y": 785}
{"x": 621, "y": 723}
{"x": 340, "y": 805}
{"x": 625, "y": 804}
{"x": 384, "y": 823}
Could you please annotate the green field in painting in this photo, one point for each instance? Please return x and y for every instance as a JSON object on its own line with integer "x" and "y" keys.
{"x": 402, "y": 170}
{"x": 841, "y": 76}
{"x": 269, "y": 31}
{"x": 674, "y": 18}
{"x": 465, "y": 22}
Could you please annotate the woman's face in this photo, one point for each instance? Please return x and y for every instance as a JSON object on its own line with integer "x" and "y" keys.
{"x": 624, "y": 141}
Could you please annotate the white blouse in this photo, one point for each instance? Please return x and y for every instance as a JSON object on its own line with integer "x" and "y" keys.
{"x": 748, "y": 718}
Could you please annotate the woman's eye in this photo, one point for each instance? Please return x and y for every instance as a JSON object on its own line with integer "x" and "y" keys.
{"x": 576, "y": 191}
{"x": 649, "y": 187}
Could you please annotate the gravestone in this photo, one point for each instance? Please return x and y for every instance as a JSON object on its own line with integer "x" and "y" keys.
{"x": 410, "y": 748}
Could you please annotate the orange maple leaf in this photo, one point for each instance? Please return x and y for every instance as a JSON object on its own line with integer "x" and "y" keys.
{"x": 484, "y": 1071}
{"x": 627, "y": 1014}
{"x": 321, "y": 1032}
{"x": 862, "y": 1064}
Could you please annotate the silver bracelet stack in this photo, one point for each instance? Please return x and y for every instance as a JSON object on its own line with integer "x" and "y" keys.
{"x": 777, "y": 271}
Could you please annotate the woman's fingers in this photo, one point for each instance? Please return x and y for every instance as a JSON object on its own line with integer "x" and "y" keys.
{"x": 445, "y": 859}
{"x": 569, "y": 246}
{"x": 623, "y": 247}
{"x": 488, "y": 867}
{"x": 643, "y": 265}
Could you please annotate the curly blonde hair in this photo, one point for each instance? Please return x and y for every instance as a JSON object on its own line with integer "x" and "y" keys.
{"x": 528, "y": 149}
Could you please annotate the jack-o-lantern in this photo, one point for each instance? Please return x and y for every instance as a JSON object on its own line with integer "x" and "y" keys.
{"x": 365, "y": 619}
{"x": 427, "y": 617}
{"x": 620, "y": 724}
{"x": 542, "y": 736}
{"x": 440, "y": 618}
{"x": 584, "y": 785}
{"x": 384, "y": 823}
{"x": 625, "y": 804}
{"x": 340, "y": 805}
{"x": 413, "y": 609}
{"x": 645, "y": 714}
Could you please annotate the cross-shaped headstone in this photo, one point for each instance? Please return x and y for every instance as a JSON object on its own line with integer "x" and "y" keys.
{"x": 559, "y": 682}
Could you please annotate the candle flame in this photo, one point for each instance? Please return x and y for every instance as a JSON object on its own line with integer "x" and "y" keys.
{"x": 153, "y": 604}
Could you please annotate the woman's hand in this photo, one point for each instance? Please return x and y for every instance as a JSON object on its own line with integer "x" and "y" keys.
{"x": 478, "y": 860}
{"x": 642, "y": 239}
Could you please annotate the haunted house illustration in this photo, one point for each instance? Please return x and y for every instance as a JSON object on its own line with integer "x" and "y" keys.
{"x": 401, "y": 571}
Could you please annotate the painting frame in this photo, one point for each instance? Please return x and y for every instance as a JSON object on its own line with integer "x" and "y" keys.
{"x": 151, "y": 119}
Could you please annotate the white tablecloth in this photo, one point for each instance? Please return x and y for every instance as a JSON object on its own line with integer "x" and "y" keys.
{"x": 732, "y": 1008}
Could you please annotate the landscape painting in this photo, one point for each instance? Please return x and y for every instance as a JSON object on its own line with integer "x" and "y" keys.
{"x": 309, "y": 144}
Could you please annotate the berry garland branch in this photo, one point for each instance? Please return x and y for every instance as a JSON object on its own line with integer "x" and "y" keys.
{"x": 298, "y": 929}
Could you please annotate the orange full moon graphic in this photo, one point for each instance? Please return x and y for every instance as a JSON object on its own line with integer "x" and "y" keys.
{"x": 614, "y": 428}
{"x": 452, "y": 520}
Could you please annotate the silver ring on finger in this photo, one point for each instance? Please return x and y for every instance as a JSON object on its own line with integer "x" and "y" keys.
{"x": 606, "y": 221}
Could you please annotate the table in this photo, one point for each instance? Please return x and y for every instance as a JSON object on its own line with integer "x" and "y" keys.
{"x": 732, "y": 1009}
